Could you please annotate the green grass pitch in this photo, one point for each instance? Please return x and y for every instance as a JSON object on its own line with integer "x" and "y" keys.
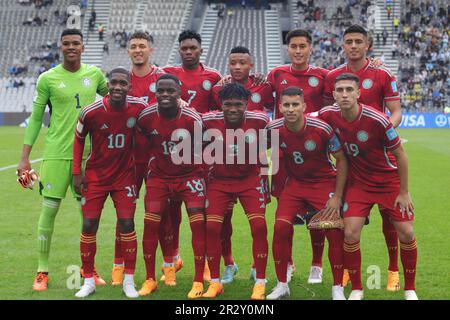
{"x": 429, "y": 163}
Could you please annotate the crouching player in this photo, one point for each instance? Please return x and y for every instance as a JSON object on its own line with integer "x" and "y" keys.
{"x": 306, "y": 143}
{"x": 110, "y": 170}
{"x": 234, "y": 176}
{"x": 378, "y": 175}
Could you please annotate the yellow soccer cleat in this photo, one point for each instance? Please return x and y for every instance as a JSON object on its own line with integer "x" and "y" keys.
{"x": 345, "y": 278}
{"x": 196, "y": 291}
{"x": 148, "y": 287}
{"x": 169, "y": 276}
{"x": 117, "y": 275}
{"x": 215, "y": 289}
{"x": 393, "y": 281}
{"x": 259, "y": 292}
{"x": 206, "y": 272}
{"x": 40, "y": 282}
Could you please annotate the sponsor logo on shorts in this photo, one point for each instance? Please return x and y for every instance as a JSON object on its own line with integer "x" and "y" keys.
{"x": 367, "y": 84}
{"x": 207, "y": 85}
{"x": 362, "y": 136}
{"x": 310, "y": 145}
{"x": 345, "y": 207}
{"x": 313, "y": 82}
{"x": 83, "y": 201}
{"x": 131, "y": 122}
{"x": 206, "y": 203}
{"x": 256, "y": 97}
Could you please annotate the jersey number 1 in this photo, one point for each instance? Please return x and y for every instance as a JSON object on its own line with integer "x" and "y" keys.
{"x": 77, "y": 97}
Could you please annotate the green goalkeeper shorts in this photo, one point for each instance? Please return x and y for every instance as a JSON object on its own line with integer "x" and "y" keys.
{"x": 56, "y": 177}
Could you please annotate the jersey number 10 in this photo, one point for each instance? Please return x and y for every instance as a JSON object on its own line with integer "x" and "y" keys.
{"x": 116, "y": 142}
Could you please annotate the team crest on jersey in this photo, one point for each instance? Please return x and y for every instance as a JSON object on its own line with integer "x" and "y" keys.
{"x": 180, "y": 134}
{"x": 367, "y": 84}
{"x": 313, "y": 82}
{"x": 250, "y": 138}
{"x": 152, "y": 87}
{"x": 86, "y": 82}
{"x": 131, "y": 122}
{"x": 207, "y": 85}
{"x": 310, "y": 145}
{"x": 362, "y": 136}
{"x": 256, "y": 97}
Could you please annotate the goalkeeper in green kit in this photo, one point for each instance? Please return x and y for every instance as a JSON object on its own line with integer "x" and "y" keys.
{"x": 66, "y": 89}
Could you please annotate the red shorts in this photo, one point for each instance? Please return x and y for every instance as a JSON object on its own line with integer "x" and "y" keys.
{"x": 278, "y": 181}
{"x": 359, "y": 202}
{"x": 94, "y": 197}
{"x": 266, "y": 186}
{"x": 299, "y": 197}
{"x": 250, "y": 191}
{"x": 141, "y": 175}
{"x": 190, "y": 190}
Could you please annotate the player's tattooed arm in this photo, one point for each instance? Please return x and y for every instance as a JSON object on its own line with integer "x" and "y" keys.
{"x": 403, "y": 199}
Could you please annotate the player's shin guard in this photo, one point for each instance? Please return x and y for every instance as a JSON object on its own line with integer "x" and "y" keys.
{"x": 408, "y": 254}
{"x": 166, "y": 238}
{"x": 198, "y": 229}
{"x": 129, "y": 249}
{"x": 391, "y": 238}
{"x": 260, "y": 246}
{"x": 335, "y": 239}
{"x": 175, "y": 218}
{"x": 150, "y": 242}
{"x": 227, "y": 231}
{"x": 118, "y": 256}
{"x": 352, "y": 262}
{"x": 88, "y": 248}
{"x": 213, "y": 247}
{"x": 46, "y": 224}
{"x": 317, "y": 244}
{"x": 280, "y": 248}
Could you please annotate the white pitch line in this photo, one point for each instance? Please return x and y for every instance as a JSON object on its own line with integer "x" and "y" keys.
{"x": 15, "y": 165}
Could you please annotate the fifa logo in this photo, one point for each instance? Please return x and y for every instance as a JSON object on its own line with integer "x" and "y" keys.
{"x": 261, "y": 255}
{"x": 130, "y": 250}
{"x": 85, "y": 255}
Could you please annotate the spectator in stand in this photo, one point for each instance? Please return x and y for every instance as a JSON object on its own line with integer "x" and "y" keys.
{"x": 385, "y": 35}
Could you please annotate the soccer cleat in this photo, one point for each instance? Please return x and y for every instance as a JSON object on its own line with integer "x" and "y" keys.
{"x": 130, "y": 290}
{"x": 229, "y": 273}
{"x": 196, "y": 291}
{"x": 259, "y": 292}
{"x": 169, "y": 276}
{"x": 40, "y": 281}
{"x": 393, "y": 281}
{"x": 345, "y": 278}
{"x": 315, "y": 275}
{"x": 117, "y": 275}
{"x": 279, "y": 292}
{"x": 214, "y": 289}
{"x": 411, "y": 295}
{"x": 148, "y": 287}
{"x": 206, "y": 272}
{"x": 337, "y": 293}
{"x": 98, "y": 280}
{"x": 86, "y": 290}
{"x": 356, "y": 295}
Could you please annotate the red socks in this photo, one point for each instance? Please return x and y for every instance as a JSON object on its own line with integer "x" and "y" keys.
{"x": 352, "y": 262}
{"x": 408, "y": 255}
{"x": 88, "y": 248}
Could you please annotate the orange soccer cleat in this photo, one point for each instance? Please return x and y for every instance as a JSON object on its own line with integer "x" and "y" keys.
{"x": 196, "y": 291}
{"x": 98, "y": 280}
{"x": 169, "y": 276}
{"x": 40, "y": 281}
{"x": 117, "y": 275}
{"x": 393, "y": 281}
{"x": 148, "y": 287}
{"x": 259, "y": 292}
{"x": 215, "y": 289}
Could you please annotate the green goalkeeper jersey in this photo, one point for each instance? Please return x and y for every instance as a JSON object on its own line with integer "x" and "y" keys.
{"x": 66, "y": 93}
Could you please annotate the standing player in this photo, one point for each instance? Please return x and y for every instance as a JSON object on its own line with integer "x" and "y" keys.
{"x": 228, "y": 181}
{"x": 168, "y": 181}
{"x": 378, "y": 175}
{"x": 110, "y": 170}
{"x": 143, "y": 85}
{"x": 311, "y": 80}
{"x": 378, "y": 89}
{"x": 197, "y": 81}
{"x": 312, "y": 182}
{"x": 240, "y": 63}
{"x": 66, "y": 89}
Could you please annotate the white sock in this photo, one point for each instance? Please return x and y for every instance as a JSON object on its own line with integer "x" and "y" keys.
{"x": 128, "y": 278}
{"x": 168, "y": 264}
{"x": 215, "y": 280}
{"x": 89, "y": 281}
{"x": 283, "y": 283}
{"x": 260, "y": 281}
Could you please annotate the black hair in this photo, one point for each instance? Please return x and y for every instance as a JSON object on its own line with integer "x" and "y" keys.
{"x": 298, "y": 33}
{"x": 347, "y": 76}
{"x": 234, "y": 91}
{"x": 141, "y": 35}
{"x": 292, "y": 91}
{"x": 240, "y": 49}
{"x": 189, "y": 34}
{"x": 168, "y": 76}
{"x": 121, "y": 70}
{"x": 67, "y": 32}
{"x": 355, "y": 28}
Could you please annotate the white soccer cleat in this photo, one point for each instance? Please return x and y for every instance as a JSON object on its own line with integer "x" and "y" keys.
{"x": 280, "y": 291}
{"x": 356, "y": 295}
{"x": 315, "y": 275}
{"x": 86, "y": 290}
{"x": 130, "y": 290}
{"x": 411, "y": 295}
{"x": 337, "y": 292}
{"x": 289, "y": 273}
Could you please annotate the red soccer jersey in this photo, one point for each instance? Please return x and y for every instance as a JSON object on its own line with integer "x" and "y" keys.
{"x": 368, "y": 140}
{"x": 311, "y": 81}
{"x": 144, "y": 88}
{"x": 196, "y": 85}
{"x": 253, "y": 122}
{"x": 376, "y": 84}
{"x": 261, "y": 98}
{"x": 111, "y": 133}
{"x": 306, "y": 153}
{"x": 160, "y": 130}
